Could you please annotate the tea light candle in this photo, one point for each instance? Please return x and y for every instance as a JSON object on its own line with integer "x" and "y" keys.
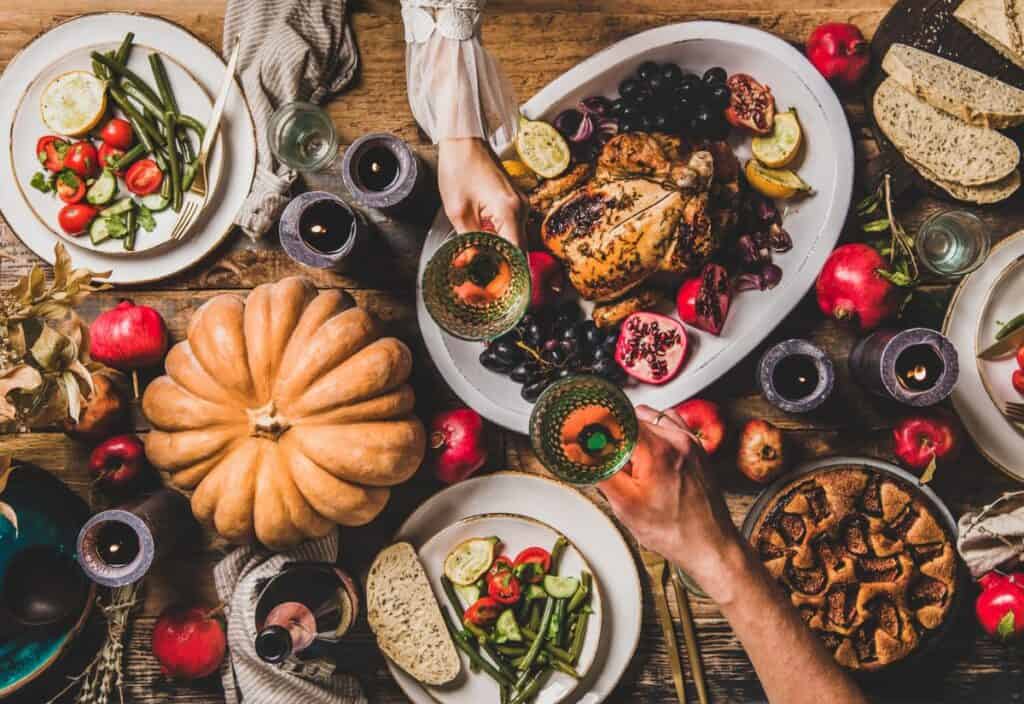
{"x": 321, "y": 230}
{"x": 796, "y": 376}
{"x": 117, "y": 547}
{"x": 918, "y": 367}
{"x": 383, "y": 172}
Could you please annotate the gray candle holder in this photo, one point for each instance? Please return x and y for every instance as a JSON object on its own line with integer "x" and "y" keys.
{"x": 873, "y": 364}
{"x": 403, "y": 189}
{"x": 298, "y": 249}
{"x": 790, "y": 348}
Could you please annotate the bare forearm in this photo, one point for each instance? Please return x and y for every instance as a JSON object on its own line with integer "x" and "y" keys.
{"x": 790, "y": 661}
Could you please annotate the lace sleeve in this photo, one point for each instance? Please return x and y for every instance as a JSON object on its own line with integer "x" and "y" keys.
{"x": 456, "y": 89}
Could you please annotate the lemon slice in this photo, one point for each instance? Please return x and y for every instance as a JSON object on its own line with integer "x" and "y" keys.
{"x": 520, "y": 174}
{"x": 541, "y": 148}
{"x": 774, "y": 183}
{"x": 779, "y": 148}
{"x": 73, "y": 103}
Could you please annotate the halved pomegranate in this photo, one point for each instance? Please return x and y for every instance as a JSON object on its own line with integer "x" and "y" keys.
{"x": 703, "y": 301}
{"x": 651, "y": 347}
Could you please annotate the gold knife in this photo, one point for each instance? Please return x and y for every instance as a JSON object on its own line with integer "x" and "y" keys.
{"x": 690, "y": 636}
{"x": 655, "y": 565}
{"x": 1003, "y": 347}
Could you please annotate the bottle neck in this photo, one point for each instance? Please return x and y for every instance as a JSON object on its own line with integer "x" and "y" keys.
{"x": 289, "y": 629}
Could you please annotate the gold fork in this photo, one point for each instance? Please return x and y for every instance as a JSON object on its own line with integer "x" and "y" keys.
{"x": 195, "y": 200}
{"x": 1014, "y": 411}
{"x": 655, "y": 565}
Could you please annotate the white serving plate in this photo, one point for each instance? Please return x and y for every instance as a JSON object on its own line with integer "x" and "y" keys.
{"x": 517, "y": 533}
{"x": 814, "y": 222}
{"x": 992, "y": 292}
{"x": 585, "y": 526}
{"x": 196, "y": 72}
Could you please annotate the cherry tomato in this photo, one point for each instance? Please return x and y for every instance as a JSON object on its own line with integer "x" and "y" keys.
{"x": 75, "y": 218}
{"x": 51, "y": 151}
{"x": 117, "y": 133}
{"x": 70, "y": 188}
{"x": 1018, "y": 380}
{"x": 107, "y": 153}
{"x": 1020, "y": 356}
{"x": 504, "y": 588}
{"x": 144, "y": 177}
{"x": 483, "y": 612}
{"x": 532, "y": 564}
{"x": 82, "y": 159}
{"x": 500, "y": 564}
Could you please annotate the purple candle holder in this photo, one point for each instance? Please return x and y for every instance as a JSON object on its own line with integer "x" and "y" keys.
{"x": 918, "y": 367}
{"x": 796, "y": 376}
{"x": 381, "y": 171}
{"x": 321, "y": 230}
{"x": 154, "y": 527}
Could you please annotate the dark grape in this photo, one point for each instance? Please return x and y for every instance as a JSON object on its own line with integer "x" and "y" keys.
{"x": 690, "y": 87}
{"x": 563, "y": 373}
{"x": 645, "y": 123}
{"x": 685, "y": 107}
{"x": 556, "y": 355}
{"x": 610, "y": 343}
{"x": 589, "y": 333}
{"x": 705, "y": 121}
{"x": 568, "y": 346}
{"x": 507, "y": 352}
{"x": 550, "y": 345}
{"x": 671, "y": 74}
{"x": 718, "y": 95}
{"x": 656, "y": 83}
{"x": 491, "y": 361}
{"x": 570, "y": 333}
{"x": 628, "y": 110}
{"x": 661, "y": 122}
{"x": 531, "y": 392}
{"x": 618, "y": 106}
{"x": 716, "y": 74}
{"x": 646, "y": 70}
{"x": 605, "y": 368}
{"x": 533, "y": 334}
{"x": 602, "y": 353}
{"x": 521, "y": 372}
{"x": 629, "y": 87}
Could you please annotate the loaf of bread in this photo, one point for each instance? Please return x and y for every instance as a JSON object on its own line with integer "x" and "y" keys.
{"x": 950, "y": 149}
{"x": 962, "y": 92}
{"x": 998, "y": 22}
{"x": 404, "y": 615}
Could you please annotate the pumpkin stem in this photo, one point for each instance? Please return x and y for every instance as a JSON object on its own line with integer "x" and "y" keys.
{"x": 265, "y": 422}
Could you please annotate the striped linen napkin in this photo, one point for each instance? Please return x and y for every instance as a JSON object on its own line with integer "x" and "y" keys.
{"x": 291, "y": 50}
{"x": 248, "y": 679}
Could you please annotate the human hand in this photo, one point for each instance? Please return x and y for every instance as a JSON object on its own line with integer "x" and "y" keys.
{"x": 669, "y": 500}
{"x": 475, "y": 190}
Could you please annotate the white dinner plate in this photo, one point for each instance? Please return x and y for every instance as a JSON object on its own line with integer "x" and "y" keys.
{"x": 516, "y": 533}
{"x": 584, "y": 525}
{"x": 985, "y": 296}
{"x": 814, "y": 222}
{"x": 196, "y": 72}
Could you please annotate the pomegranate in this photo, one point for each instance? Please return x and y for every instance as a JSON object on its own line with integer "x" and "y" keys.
{"x": 761, "y": 457}
{"x": 923, "y": 440}
{"x": 129, "y": 337}
{"x": 849, "y": 286}
{"x": 751, "y": 104}
{"x": 840, "y": 52}
{"x": 102, "y": 413}
{"x": 1000, "y": 606}
{"x": 546, "y": 279}
{"x": 458, "y": 444}
{"x": 703, "y": 301}
{"x": 651, "y": 347}
{"x": 118, "y": 462}
{"x": 705, "y": 420}
{"x": 189, "y": 643}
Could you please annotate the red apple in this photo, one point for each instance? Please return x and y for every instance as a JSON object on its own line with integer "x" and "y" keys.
{"x": 761, "y": 453}
{"x": 118, "y": 462}
{"x": 920, "y": 440}
{"x": 546, "y": 279}
{"x": 704, "y": 418}
{"x": 458, "y": 444}
{"x": 189, "y": 643}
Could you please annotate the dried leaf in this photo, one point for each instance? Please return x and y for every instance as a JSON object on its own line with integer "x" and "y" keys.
{"x": 21, "y": 377}
{"x": 16, "y": 336}
{"x": 929, "y": 471}
{"x": 83, "y": 375}
{"x": 7, "y": 511}
{"x": 73, "y": 393}
{"x": 49, "y": 349}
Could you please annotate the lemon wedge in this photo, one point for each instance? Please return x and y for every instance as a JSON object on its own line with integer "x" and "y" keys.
{"x": 779, "y": 148}
{"x": 73, "y": 103}
{"x": 520, "y": 174}
{"x": 774, "y": 183}
{"x": 542, "y": 148}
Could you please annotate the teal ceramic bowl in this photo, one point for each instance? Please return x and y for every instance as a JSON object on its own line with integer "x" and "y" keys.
{"x": 49, "y": 514}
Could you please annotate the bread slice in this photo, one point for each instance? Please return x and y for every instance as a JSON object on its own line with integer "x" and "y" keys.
{"x": 983, "y": 195}
{"x": 406, "y": 618}
{"x": 999, "y": 22}
{"x": 952, "y": 150}
{"x": 963, "y": 92}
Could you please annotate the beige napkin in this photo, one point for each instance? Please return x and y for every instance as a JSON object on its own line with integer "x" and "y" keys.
{"x": 993, "y": 536}
{"x": 291, "y": 50}
{"x": 247, "y": 678}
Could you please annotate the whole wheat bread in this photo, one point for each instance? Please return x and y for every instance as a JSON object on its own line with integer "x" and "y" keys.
{"x": 404, "y": 615}
{"x": 949, "y": 148}
{"x": 999, "y": 22}
{"x": 962, "y": 92}
{"x": 983, "y": 195}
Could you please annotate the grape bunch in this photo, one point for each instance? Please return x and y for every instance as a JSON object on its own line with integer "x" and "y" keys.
{"x": 551, "y": 345}
{"x": 664, "y": 98}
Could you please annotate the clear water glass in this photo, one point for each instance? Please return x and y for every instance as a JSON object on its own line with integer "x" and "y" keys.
{"x": 952, "y": 243}
{"x": 302, "y": 136}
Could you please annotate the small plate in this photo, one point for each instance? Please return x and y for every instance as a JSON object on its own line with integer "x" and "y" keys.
{"x": 1005, "y": 301}
{"x": 516, "y": 533}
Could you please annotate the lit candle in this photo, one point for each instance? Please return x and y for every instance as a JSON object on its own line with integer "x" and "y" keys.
{"x": 918, "y": 367}
{"x": 796, "y": 376}
{"x": 321, "y": 230}
{"x": 383, "y": 172}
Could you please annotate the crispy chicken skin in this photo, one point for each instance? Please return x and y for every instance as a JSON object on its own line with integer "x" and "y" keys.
{"x": 644, "y": 210}
{"x": 545, "y": 195}
{"x": 606, "y": 315}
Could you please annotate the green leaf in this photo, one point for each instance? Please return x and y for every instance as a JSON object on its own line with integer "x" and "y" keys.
{"x": 868, "y": 205}
{"x": 1006, "y": 626}
{"x": 69, "y": 178}
{"x": 146, "y": 221}
{"x": 929, "y": 471}
{"x": 899, "y": 278}
{"x": 116, "y": 226}
{"x": 880, "y": 225}
{"x": 41, "y": 182}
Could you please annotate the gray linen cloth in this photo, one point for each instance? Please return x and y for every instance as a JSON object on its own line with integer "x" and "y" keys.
{"x": 291, "y": 50}
{"x": 993, "y": 536}
{"x": 246, "y": 677}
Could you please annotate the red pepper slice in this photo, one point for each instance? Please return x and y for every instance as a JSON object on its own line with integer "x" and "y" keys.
{"x": 483, "y": 612}
{"x": 504, "y": 588}
{"x": 532, "y": 564}
{"x": 51, "y": 150}
{"x": 70, "y": 188}
{"x": 500, "y": 564}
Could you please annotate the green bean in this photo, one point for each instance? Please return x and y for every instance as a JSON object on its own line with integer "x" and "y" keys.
{"x": 100, "y": 71}
{"x": 172, "y": 162}
{"x": 147, "y": 133}
{"x": 535, "y": 612}
{"x": 581, "y": 592}
{"x": 121, "y": 56}
{"x": 473, "y": 655}
{"x": 191, "y": 123}
{"x": 189, "y": 175}
{"x": 118, "y": 163}
{"x": 556, "y": 554}
{"x": 529, "y": 690}
{"x": 1011, "y": 325}
{"x": 153, "y": 107}
{"x": 578, "y": 637}
{"x": 567, "y": 669}
{"x": 531, "y": 654}
{"x": 503, "y": 691}
{"x": 187, "y": 150}
{"x": 554, "y": 632}
{"x": 133, "y": 226}
{"x": 163, "y": 85}
{"x": 509, "y": 649}
{"x": 128, "y": 75}
{"x": 459, "y": 635}
{"x": 554, "y": 650}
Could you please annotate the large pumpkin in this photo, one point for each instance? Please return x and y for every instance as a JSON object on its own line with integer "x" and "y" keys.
{"x": 286, "y": 413}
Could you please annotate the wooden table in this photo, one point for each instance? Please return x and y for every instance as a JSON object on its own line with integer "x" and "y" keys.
{"x": 535, "y": 40}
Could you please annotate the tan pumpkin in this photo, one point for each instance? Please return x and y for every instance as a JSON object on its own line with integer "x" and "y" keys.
{"x": 286, "y": 413}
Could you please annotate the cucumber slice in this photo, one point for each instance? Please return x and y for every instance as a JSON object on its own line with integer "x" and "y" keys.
{"x": 156, "y": 202}
{"x": 469, "y": 594}
{"x": 561, "y": 587}
{"x": 98, "y": 231}
{"x": 506, "y": 630}
{"x": 103, "y": 190}
{"x": 118, "y": 208}
{"x": 470, "y": 559}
